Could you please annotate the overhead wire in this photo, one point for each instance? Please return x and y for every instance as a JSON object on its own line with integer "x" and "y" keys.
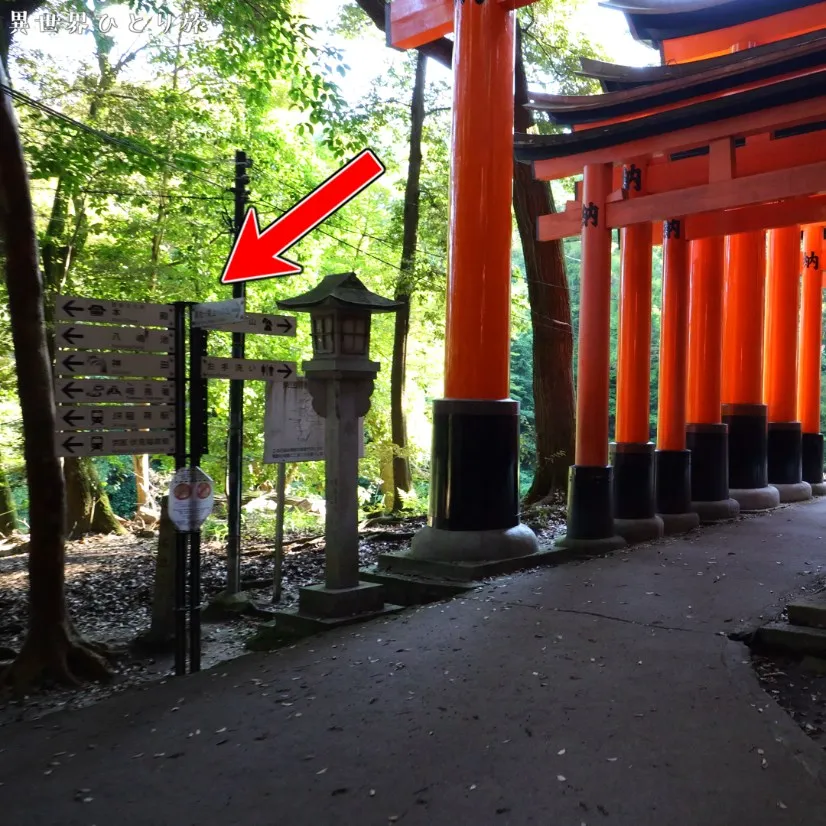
{"x": 133, "y": 147}
{"x": 112, "y": 140}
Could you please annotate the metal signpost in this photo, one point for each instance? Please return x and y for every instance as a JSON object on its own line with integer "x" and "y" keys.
{"x": 115, "y": 402}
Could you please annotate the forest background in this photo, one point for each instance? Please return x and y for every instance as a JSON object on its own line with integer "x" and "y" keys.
{"x": 130, "y": 134}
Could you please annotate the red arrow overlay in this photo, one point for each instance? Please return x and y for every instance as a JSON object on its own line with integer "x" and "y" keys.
{"x": 257, "y": 254}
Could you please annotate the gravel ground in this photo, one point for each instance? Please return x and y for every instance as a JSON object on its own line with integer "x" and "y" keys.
{"x": 109, "y": 583}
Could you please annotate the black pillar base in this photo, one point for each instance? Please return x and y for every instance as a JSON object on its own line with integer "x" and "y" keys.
{"x": 812, "y": 458}
{"x": 708, "y": 444}
{"x": 590, "y": 511}
{"x": 633, "y": 480}
{"x": 747, "y": 445}
{"x": 672, "y": 474}
{"x": 475, "y": 465}
{"x": 784, "y": 451}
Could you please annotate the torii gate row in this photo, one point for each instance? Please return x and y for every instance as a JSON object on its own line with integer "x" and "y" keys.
{"x": 474, "y": 499}
{"x": 719, "y": 386}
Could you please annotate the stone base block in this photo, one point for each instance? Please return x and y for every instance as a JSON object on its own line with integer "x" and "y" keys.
{"x": 819, "y": 489}
{"x": 405, "y": 589}
{"x": 679, "y": 522}
{"x": 291, "y": 624}
{"x": 333, "y": 603}
{"x": 590, "y": 547}
{"x": 717, "y": 511}
{"x": 404, "y": 563}
{"x": 780, "y": 636}
{"x": 808, "y": 612}
{"x": 756, "y": 499}
{"x": 473, "y": 546}
{"x": 794, "y": 491}
{"x": 639, "y": 530}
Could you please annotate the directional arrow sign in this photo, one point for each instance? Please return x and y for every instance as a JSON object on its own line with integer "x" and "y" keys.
{"x": 257, "y": 254}
{"x": 115, "y": 443}
{"x": 112, "y": 364}
{"x": 216, "y": 368}
{"x": 72, "y": 308}
{"x": 113, "y": 390}
{"x": 262, "y": 324}
{"x": 99, "y": 337}
{"x": 98, "y": 418}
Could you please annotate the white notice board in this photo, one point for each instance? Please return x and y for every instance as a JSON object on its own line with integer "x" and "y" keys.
{"x": 293, "y": 431}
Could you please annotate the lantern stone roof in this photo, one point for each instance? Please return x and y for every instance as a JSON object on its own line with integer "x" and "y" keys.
{"x": 342, "y": 289}
{"x": 653, "y": 21}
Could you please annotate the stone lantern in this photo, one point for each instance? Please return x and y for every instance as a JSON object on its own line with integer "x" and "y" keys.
{"x": 340, "y": 380}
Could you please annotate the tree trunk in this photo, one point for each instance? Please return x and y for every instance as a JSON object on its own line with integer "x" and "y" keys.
{"x": 8, "y": 512}
{"x": 161, "y": 633}
{"x": 407, "y": 272}
{"x": 51, "y": 648}
{"x": 553, "y": 389}
{"x": 87, "y": 505}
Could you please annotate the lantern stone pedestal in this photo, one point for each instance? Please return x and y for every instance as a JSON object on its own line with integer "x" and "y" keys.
{"x": 340, "y": 380}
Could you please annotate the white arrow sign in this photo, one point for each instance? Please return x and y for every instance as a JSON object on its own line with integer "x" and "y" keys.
{"x": 98, "y": 337}
{"x": 72, "y": 308}
{"x": 70, "y": 363}
{"x": 98, "y": 418}
{"x": 261, "y": 324}
{"x": 115, "y": 443}
{"x": 113, "y": 390}
{"x": 216, "y": 368}
{"x": 191, "y": 497}
{"x": 213, "y": 313}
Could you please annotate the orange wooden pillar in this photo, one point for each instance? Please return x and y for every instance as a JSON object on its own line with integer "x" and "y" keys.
{"x": 475, "y": 453}
{"x": 632, "y": 455}
{"x": 808, "y": 388}
{"x": 590, "y": 512}
{"x": 706, "y": 435}
{"x": 672, "y": 462}
{"x": 743, "y": 408}
{"x": 784, "y": 440}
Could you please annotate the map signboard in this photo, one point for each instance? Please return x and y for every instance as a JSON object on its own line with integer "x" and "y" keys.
{"x": 293, "y": 431}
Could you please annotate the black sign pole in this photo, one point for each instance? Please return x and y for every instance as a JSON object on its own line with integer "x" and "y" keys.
{"x": 180, "y": 462}
{"x": 197, "y": 444}
{"x": 235, "y": 444}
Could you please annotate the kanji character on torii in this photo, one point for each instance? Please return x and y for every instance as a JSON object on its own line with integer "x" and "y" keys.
{"x": 474, "y": 500}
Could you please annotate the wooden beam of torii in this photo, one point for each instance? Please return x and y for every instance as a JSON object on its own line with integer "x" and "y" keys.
{"x": 412, "y": 23}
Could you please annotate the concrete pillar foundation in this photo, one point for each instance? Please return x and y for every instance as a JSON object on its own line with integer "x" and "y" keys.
{"x": 672, "y": 471}
{"x": 635, "y": 518}
{"x": 793, "y": 491}
{"x": 474, "y": 491}
{"x": 710, "y": 498}
{"x": 590, "y": 510}
{"x": 473, "y": 546}
{"x": 718, "y": 510}
{"x": 756, "y": 499}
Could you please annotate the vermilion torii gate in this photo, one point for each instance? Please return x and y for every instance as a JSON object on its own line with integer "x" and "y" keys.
{"x": 474, "y": 501}
{"x": 719, "y": 153}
